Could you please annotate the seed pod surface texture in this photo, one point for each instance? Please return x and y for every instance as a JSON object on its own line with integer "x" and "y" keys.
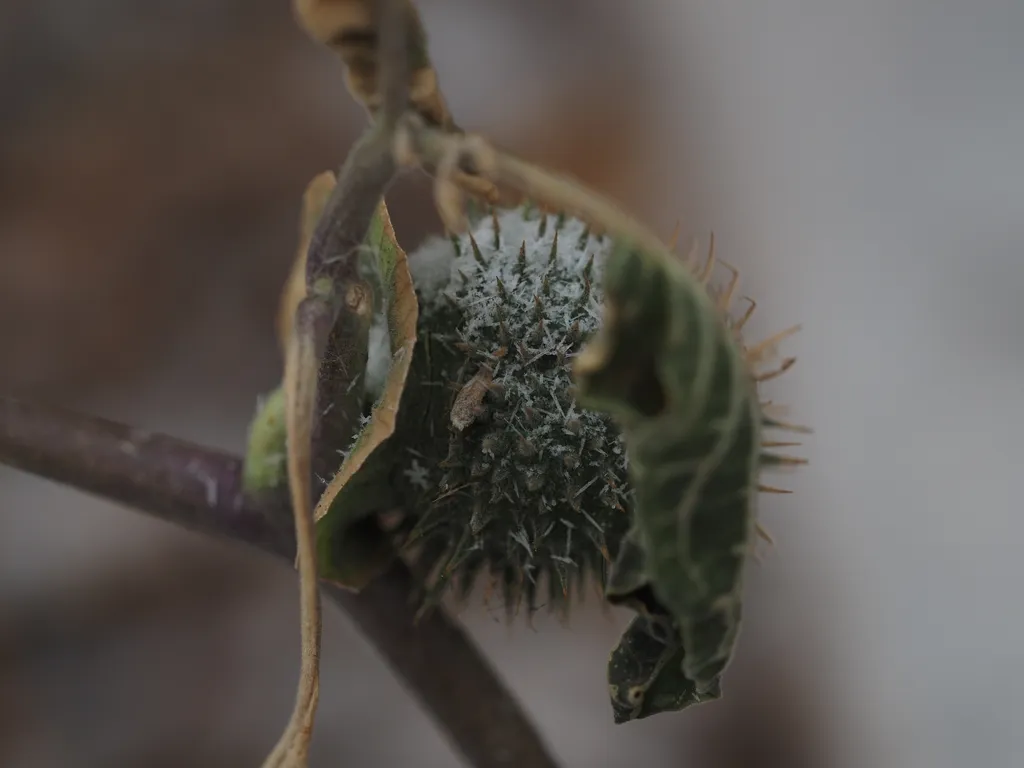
{"x": 511, "y": 478}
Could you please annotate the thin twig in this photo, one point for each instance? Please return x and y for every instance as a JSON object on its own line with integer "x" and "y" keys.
{"x": 192, "y": 486}
{"x": 341, "y": 230}
{"x": 452, "y": 680}
{"x": 333, "y": 257}
{"x": 200, "y": 488}
{"x": 394, "y": 60}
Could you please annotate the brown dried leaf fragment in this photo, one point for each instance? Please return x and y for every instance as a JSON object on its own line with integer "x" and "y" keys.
{"x": 470, "y": 399}
{"x": 314, "y": 201}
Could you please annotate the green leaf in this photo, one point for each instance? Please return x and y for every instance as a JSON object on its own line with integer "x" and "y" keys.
{"x": 666, "y": 366}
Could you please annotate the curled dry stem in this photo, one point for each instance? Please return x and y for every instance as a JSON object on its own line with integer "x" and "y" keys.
{"x": 451, "y": 154}
{"x": 383, "y": 45}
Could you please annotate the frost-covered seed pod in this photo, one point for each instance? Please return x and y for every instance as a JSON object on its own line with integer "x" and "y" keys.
{"x": 515, "y": 297}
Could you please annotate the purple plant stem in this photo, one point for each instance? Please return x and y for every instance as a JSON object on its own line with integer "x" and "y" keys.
{"x": 190, "y": 485}
{"x": 200, "y": 488}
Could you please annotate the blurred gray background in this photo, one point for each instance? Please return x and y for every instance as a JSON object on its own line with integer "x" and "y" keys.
{"x": 860, "y": 161}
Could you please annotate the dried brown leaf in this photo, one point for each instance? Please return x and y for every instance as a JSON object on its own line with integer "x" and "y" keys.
{"x": 300, "y": 384}
{"x": 403, "y": 312}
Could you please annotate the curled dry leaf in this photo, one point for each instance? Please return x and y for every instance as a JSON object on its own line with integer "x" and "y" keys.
{"x": 645, "y": 672}
{"x": 314, "y": 200}
{"x": 667, "y": 367}
{"x": 292, "y": 749}
{"x": 353, "y": 552}
{"x": 349, "y": 28}
{"x": 346, "y": 548}
{"x": 671, "y": 365}
{"x": 350, "y": 549}
{"x": 301, "y": 370}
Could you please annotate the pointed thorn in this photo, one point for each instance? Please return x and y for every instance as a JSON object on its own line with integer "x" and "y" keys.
{"x": 537, "y": 337}
{"x": 778, "y": 460}
{"x": 502, "y": 293}
{"x": 779, "y": 444}
{"x": 538, "y": 308}
{"x": 456, "y": 244}
{"x": 521, "y": 259}
{"x": 725, "y": 298}
{"x": 674, "y": 240}
{"x": 542, "y": 229}
{"x": 709, "y": 265}
{"x": 690, "y": 260}
{"x": 773, "y": 423}
{"x": 767, "y": 347}
{"x": 772, "y": 489}
{"x": 582, "y": 242}
{"x": 554, "y": 250}
{"x": 763, "y": 533}
{"x": 497, "y": 229}
{"x": 559, "y": 222}
{"x": 738, "y": 324}
{"x": 476, "y": 251}
{"x": 584, "y": 298}
{"x": 788, "y": 363}
{"x": 588, "y": 269}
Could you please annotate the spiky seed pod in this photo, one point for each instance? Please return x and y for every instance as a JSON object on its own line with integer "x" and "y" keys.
{"x": 506, "y": 472}
{"x": 522, "y": 482}
{"x": 502, "y": 471}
